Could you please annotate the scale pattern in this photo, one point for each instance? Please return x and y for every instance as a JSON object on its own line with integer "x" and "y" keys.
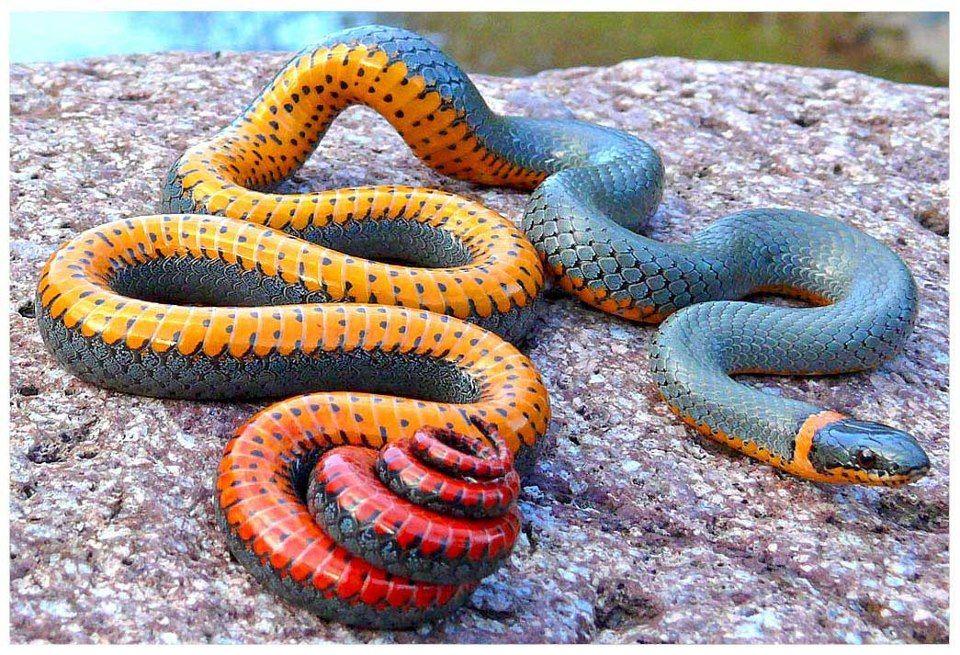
{"x": 134, "y": 305}
{"x": 389, "y": 293}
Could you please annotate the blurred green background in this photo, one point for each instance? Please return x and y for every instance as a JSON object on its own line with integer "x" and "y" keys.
{"x": 906, "y": 47}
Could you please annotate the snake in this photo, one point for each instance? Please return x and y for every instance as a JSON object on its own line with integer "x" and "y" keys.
{"x": 382, "y": 487}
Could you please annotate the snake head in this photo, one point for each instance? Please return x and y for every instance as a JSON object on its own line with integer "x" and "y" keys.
{"x": 865, "y": 452}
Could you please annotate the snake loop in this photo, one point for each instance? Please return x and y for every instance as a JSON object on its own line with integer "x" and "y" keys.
{"x": 400, "y": 511}
{"x": 369, "y": 546}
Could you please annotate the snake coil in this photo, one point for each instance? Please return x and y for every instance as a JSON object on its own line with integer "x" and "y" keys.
{"x": 396, "y": 536}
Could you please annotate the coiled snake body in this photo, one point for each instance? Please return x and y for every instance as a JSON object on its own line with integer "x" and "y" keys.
{"x": 386, "y": 291}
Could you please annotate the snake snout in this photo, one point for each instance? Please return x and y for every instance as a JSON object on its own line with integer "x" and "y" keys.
{"x": 868, "y": 453}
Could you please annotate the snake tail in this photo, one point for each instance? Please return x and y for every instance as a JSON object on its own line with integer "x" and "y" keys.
{"x": 133, "y": 306}
{"x": 387, "y": 538}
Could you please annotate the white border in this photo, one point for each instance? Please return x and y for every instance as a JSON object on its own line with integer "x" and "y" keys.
{"x": 434, "y": 5}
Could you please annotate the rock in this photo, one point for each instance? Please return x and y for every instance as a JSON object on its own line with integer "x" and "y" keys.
{"x": 635, "y": 529}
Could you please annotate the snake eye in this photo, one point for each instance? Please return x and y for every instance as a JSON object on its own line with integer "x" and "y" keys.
{"x": 866, "y": 458}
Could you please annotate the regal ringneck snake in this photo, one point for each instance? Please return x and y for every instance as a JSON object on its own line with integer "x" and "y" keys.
{"x": 398, "y": 295}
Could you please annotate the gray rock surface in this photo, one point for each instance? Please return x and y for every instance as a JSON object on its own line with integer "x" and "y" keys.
{"x": 635, "y": 529}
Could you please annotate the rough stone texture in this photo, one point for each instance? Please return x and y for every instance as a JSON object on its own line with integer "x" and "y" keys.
{"x": 635, "y": 529}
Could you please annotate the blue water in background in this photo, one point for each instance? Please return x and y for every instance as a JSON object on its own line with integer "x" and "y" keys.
{"x": 60, "y": 36}
{"x": 908, "y": 47}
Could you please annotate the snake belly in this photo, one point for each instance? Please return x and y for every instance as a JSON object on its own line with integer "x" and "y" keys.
{"x": 191, "y": 306}
{"x": 381, "y": 311}
{"x": 593, "y": 189}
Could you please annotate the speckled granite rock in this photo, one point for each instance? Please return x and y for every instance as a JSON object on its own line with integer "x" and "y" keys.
{"x": 635, "y": 529}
